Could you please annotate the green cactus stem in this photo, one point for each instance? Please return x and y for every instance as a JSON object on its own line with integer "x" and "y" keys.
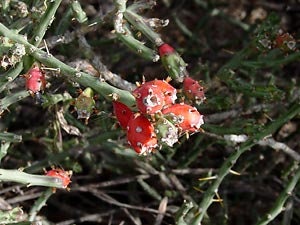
{"x": 79, "y": 14}
{"x": 52, "y": 99}
{"x": 148, "y": 189}
{"x": 10, "y": 137}
{"x": 3, "y": 150}
{"x": 72, "y": 74}
{"x": 45, "y": 22}
{"x": 11, "y": 99}
{"x": 182, "y": 213}
{"x": 231, "y": 160}
{"x": 10, "y": 76}
{"x": 137, "y": 46}
{"x": 138, "y": 22}
{"x": 281, "y": 200}
{"x": 125, "y": 35}
{"x": 39, "y": 204}
{"x": 29, "y": 179}
{"x": 141, "y": 5}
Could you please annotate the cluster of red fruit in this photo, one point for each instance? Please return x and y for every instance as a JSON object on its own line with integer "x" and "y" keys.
{"x": 159, "y": 120}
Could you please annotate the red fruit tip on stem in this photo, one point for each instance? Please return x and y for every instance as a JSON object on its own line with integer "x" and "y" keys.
{"x": 165, "y": 49}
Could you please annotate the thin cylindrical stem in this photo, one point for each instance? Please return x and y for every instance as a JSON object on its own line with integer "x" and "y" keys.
{"x": 72, "y": 74}
{"x": 231, "y": 160}
{"x": 281, "y": 200}
{"x": 45, "y": 22}
{"x": 39, "y": 204}
{"x": 29, "y": 179}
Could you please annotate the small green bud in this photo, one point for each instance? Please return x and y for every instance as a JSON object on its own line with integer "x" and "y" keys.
{"x": 166, "y": 132}
{"x": 85, "y": 104}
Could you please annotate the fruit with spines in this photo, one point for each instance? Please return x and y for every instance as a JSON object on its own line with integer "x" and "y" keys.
{"x": 65, "y": 176}
{"x": 140, "y": 134}
{"x": 122, "y": 112}
{"x": 149, "y": 98}
{"x": 35, "y": 82}
{"x": 169, "y": 92}
{"x": 186, "y": 117}
{"x": 193, "y": 90}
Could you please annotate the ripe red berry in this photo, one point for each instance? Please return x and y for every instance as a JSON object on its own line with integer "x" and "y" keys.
{"x": 35, "y": 80}
{"x": 149, "y": 98}
{"x": 140, "y": 134}
{"x": 186, "y": 117}
{"x": 165, "y": 49}
{"x": 169, "y": 91}
{"x": 65, "y": 176}
{"x": 193, "y": 90}
{"x": 122, "y": 112}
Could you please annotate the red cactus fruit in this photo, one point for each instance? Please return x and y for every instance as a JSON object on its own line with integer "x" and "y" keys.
{"x": 122, "y": 112}
{"x": 165, "y": 49}
{"x": 193, "y": 90}
{"x": 35, "y": 80}
{"x": 140, "y": 134}
{"x": 186, "y": 117}
{"x": 65, "y": 176}
{"x": 168, "y": 91}
{"x": 149, "y": 98}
